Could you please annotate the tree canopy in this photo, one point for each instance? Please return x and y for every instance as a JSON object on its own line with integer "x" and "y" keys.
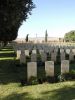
{"x": 70, "y": 36}
{"x": 12, "y": 14}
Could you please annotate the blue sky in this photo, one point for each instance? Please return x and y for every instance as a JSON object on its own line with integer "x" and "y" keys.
{"x": 57, "y": 16}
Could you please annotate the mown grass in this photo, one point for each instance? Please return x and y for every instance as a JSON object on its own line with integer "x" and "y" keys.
{"x": 11, "y": 72}
{"x": 58, "y": 91}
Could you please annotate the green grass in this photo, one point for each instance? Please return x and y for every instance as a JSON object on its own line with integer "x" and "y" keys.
{"x": 11, "y": 72}
{"x": 58, "y": 91}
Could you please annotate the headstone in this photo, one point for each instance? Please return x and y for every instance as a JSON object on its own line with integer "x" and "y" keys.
{"x": 53, "y": 56}
{"x": 71, "y": 56}
{"x": 41, "y": 51}
{"x": 64, "y": 66}
{"x": 62, "y": 56}
{"x": 26, "y": 52}
{"x": 33, "y": 57}
{"x": 67, "y": 51}
{"x": 73, "y": 50}
{"x": 56, "y": 50}
{"x": 31, "y": 69}
{"x": 61, "y": 50}
{"x": 34, "y": 52}
{"x": 18, "y": 54}
{"x": 49, "y": 68}
{"x": 22, "y": 58}
{"x": 43, "y": 57}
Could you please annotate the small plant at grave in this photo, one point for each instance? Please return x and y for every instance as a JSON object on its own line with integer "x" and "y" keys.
{"x": 70, "y": 75}
{"x": 61, "y": 78}
{"x": 23, "y": 82}
{"x": 50, "y": 79}
{"x": 72, "y": 71}
{"x": 33, "y": 80}
{"x": 73, "y": 74}
{"x": 41, "y": 80}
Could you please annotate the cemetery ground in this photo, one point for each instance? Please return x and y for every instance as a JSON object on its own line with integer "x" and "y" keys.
{"x": 11, "y": 74}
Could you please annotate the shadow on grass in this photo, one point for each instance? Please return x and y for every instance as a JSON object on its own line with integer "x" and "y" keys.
{"x": 11, "y": 71}
{"x": 16, "y": 96}
{"x": 2, "y": 55}
{"x": 65, "y": 93}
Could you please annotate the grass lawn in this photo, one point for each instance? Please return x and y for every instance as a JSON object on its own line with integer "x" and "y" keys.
{"x": 10, "y": 87}
{"x": 58, "y": 91}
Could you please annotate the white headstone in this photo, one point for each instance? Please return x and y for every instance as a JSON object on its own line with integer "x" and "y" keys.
{"x": 18, "y": 54}
{"x": 33, "y": 57}
{"x": 31, "y": 69}
{"x": 41, "y": 51}
{"x": 73, "y": 50}
{"x": 61, "y": 50}
{"x": 49, "y": 68}
{"x": 53, "y": 56}
{"x": 22, "y": 58}
{"x": 62, "y": 56}
{"x": 64, "y": 66}
{"x": 71, "y": 56}
{"x": 43, "y": 57}
{"x": 67, "y": 51}
{"x": 26, "y": 52}
{"x": 34, "y": 51}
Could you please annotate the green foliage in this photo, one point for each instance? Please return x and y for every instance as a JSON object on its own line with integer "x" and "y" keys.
{"x": 70, "y": 75}
{"x": 67, "y": 76}
{"x": 33, "y": 80}
{"x": 61, "y": 77}
{"x": 70, "y": 36}
{"x": 50, "y": 79}
{"x": 12, "y": 14}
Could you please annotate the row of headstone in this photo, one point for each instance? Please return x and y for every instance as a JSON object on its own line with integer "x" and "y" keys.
{"x": 42, "y": 45}
{"x": 49, "y": 68}
{"x": 22, "y": 56}
{"x": 44, "y": 49}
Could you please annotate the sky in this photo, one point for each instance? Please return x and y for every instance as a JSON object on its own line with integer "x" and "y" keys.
{"x": 55, "y": 16}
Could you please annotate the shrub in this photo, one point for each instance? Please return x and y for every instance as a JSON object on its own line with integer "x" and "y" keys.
{"x": 33, "y": 80}
{"x": 67, "y": 76}
{"x": 61, "y": 78}
{"x": 50, "y": 79}
{"x": 70, "y": 75}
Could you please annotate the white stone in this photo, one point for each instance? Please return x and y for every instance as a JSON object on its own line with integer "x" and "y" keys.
{"x": 18, "y": 54}
{"x": 62, "y": 56}
{"x": 73, "y": 50}
{"x": 33, "y": 57}
{"x": 71, "y": 56}
{"x": 49, "y": 68}
{"x": 67, "y": 51}
{"x": 22, "y": 58}
{"x": 64, "y": 66}
{"x": 31, "y": 69}
{"x": 61, "y": 50}
{"x": 43, "y": 57}
{"x": 53, "y": 56}
{"x": 26, "y": 52}
{"x": 34, "y": 52}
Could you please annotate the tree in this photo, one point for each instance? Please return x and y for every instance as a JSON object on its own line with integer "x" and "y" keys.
{"x": 70, "y": 36}
{"x": 27, "y": 37}
{"x": 46, "y": 36}
{"x": 12, "y": 14}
